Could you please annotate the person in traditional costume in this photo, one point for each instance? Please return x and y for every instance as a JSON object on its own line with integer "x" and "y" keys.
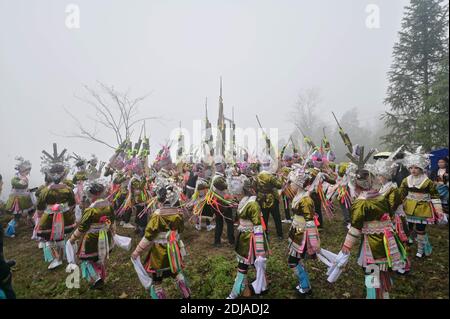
{"x": 384, "y": 170}
{"x": 201, "y": 210}
{"x": 304, "y": 241}
{"x": 191, "y": 181}
{"x": 55, "y": 205}
{"x": 421, "y": 201}
{"x": 137, "y": 196}
{"x": 20, "y": 200}
{"x": 342, "y": 192}
{"x": 318, "y": 189}
{"x": 286, "y": 194}
{"x": 380, "y": 248}
{"x": 92, "y": 170}
{"x": 119, "y": 190}
{"x": 235, "y": 181}
{"x": 36, "y": 216}
{"x": 6, "y": 289}
{"x": 78, "y": 180}
{"x": 401, "y": 171}
{"x": 440, "y": 178}
{"x": 252, "y": 246}
{"x": 95, "y": 233}
{"x": 79, "y": 177}
{"x": 219, "y": 200}
{"x": 165, "y": 258}
{"x": 267, "y": 196}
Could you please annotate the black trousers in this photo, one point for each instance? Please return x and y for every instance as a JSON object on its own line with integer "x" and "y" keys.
{"x": 275, "y": 212}
{"x": 345, "y": 213}
{"x": 6, "y": 286}
{"x": 228, "y": 213}
{"x": 141, "y": 222}
{"x": 286, "y": 204}
{"x": 418, "y": 227}
{"x": 207, "y": 211}
{"x": 317, "y": 207}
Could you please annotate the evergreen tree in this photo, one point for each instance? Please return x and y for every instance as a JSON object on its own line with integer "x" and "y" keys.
{"x": 416, "y": 92}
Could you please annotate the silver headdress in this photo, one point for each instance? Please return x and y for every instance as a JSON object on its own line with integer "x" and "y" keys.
{"x": 359, "y": 171}
{"x": 299, "y": 175}
{"x": 55, "y": 166}
{"x": 22, "y": 165}
{"x": 386, "y": 166}
{"x": 95, "y": 187}
{"x": 167, "y": 191}
{"x": 93, "y": 172}
{"x": 419, "y": 159}
{"x": 80, "y": 162}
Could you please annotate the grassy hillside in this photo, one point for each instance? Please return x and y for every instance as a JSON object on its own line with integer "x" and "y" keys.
{"x": 211, "y": 271}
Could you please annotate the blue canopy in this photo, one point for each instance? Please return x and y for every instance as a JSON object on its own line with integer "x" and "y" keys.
{"x": 437, "y": 155}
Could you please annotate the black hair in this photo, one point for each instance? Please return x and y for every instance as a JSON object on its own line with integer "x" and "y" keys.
{"x": 96, "y": 189}
{"x": 80, "y": 163}
{"x": 47, "y": 178}
{"x": 399, "y": 155}
{"x": 162, "y": 194}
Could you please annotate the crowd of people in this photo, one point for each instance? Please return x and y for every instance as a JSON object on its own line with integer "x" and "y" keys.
{"x": 386, "y": 208}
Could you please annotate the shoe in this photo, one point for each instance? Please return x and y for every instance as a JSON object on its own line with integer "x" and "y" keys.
{"x": 210, "y": 227}
{"x": 41, "y": 245}
{"x": 280, "y": 237}
{"x": 303, "y": 292}
{"x": 284, "y": 221}
{"x": 54, "y": 264}
{"x": 419, "y": 255}
{"x": 289, "y": 221}
{"x": 129, "y": 226}
{"x": 98, "y": 284}
{"x": 11, "y": 263}
{"x": 198, "y": 227}
{"x": 121, "y": 223}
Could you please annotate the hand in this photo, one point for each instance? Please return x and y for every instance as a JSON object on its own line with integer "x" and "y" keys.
{"x": 135, "y": 255}
{"x": 345, "y": 250}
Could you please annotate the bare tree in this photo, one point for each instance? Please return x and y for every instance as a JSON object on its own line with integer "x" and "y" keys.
{"x": 114, "y": 111}
{"x": 304, "y": 116}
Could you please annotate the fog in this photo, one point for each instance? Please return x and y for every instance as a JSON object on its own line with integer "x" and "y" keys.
{"x": 265, "y": 51}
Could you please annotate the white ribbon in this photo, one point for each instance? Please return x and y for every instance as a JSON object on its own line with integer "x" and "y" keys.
{"x": 327, "y": 257}
{"x": 122, "y": 241}
{"x": 70, "y": 252}
{"x": 336, "y": 269}
{"x": 144, "y": 278}
{"x": 260, "y": 284}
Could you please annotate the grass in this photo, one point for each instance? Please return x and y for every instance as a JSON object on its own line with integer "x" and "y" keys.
{"x": 211, "y": 271}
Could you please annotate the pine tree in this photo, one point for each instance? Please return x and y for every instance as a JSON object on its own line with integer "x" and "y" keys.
{"x": 415, "y": 80}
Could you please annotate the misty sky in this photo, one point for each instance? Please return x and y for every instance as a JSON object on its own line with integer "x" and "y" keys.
{"x": 266, "y": 52}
